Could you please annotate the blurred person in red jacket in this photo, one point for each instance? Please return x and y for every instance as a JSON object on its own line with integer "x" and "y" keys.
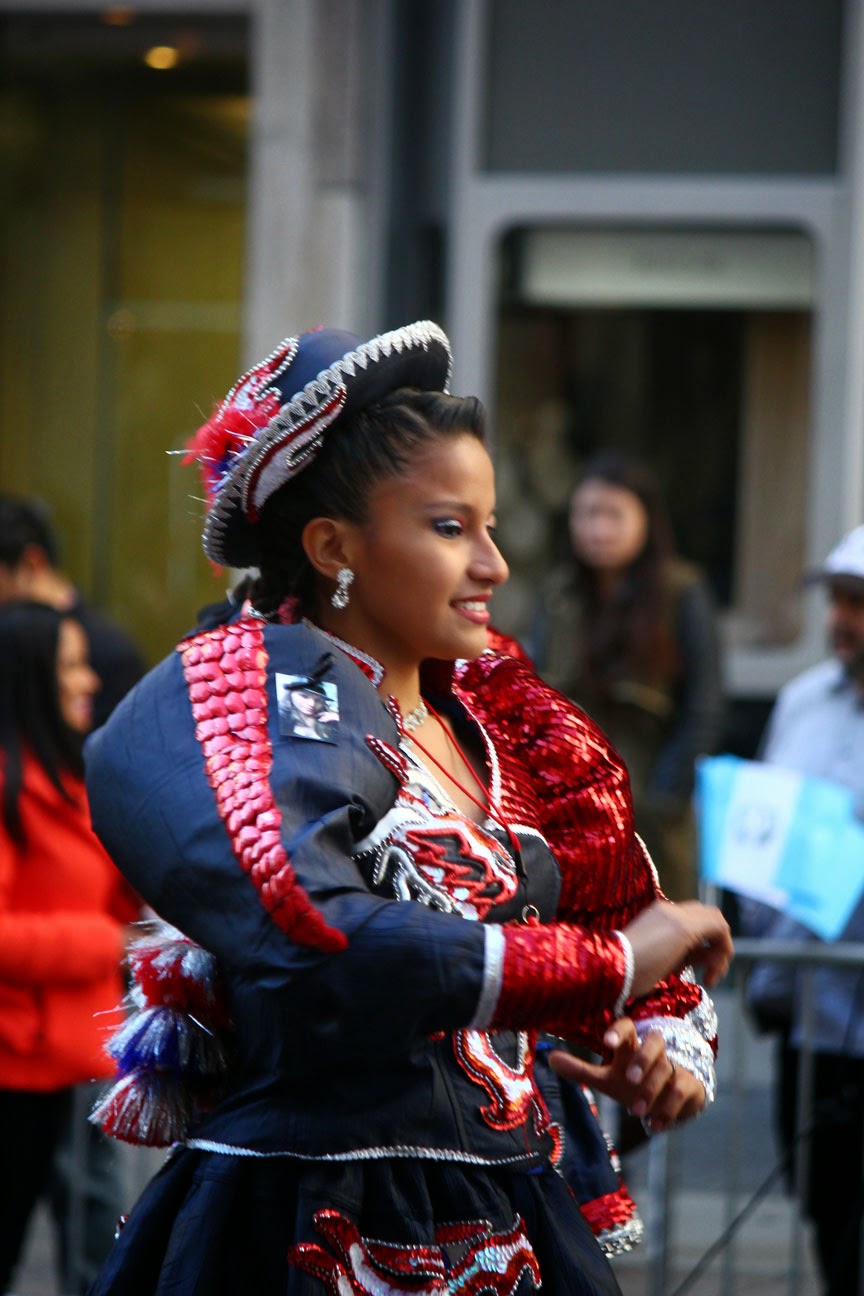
{"x": 63, "y": 908}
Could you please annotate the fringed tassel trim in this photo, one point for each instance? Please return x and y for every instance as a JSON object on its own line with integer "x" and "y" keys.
{"x": 171, "y": 1050}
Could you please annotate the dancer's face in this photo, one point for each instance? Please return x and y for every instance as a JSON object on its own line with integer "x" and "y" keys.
{"x": 426, "y": 563}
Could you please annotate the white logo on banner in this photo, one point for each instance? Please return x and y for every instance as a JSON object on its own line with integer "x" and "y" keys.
{"x": 760, "y": 813}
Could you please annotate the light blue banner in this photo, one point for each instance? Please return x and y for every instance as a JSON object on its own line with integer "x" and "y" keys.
{"x": 781, "y": 837}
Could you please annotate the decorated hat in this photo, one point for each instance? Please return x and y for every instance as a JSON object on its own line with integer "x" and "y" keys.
{"x": 272, "y": 422}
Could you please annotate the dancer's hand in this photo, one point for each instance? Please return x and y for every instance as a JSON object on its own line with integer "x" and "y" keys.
{"x": 638, "y": 1075}
{"x": 665, "y": 936}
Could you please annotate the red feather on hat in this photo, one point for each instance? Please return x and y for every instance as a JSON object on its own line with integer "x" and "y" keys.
{"x": 248, "y": 407}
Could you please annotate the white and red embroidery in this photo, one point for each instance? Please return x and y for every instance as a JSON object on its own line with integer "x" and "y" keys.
{"x": 488, "y": 1264}
{"x": 251, "y": 403}
{"x": 512, "y": 1089}
{"x": 425, "y": 850}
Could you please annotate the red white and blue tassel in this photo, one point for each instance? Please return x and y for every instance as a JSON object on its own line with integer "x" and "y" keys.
{"x": 171, "y": 1050}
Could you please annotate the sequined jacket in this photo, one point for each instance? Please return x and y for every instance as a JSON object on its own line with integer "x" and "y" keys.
{"x": 361, "y": 1023}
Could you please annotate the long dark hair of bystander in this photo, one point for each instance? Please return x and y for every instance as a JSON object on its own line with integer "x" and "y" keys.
{"x": 632, "y": 624}
{"x": 30, "y": 712}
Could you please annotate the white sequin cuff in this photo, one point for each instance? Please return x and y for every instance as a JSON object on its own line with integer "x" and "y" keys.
{"x": 686, "y": 1044}
{"x": 629, "y": 968}
{"x": 493, "y": 971}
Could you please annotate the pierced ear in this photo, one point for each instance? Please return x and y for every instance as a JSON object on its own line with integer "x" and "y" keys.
{"x": 34, "y": 559}
{"x": 326, "y": 544}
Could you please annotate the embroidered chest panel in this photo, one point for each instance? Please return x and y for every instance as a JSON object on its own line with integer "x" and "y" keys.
{"x": 424, "y": 849}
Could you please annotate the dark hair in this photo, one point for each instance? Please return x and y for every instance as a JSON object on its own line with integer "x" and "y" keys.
{"x": 25, "y": 522}
{"x": 632, "y": 628}
{"x": 377, "y": 443}
{"x": 30, "y": 716}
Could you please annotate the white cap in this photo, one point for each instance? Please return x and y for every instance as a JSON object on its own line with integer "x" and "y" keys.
{"x": 846, "y": 559}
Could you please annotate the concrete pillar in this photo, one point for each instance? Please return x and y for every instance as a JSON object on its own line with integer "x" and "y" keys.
{"x": 311, "y": 250}
{"x": 852, "y": 166}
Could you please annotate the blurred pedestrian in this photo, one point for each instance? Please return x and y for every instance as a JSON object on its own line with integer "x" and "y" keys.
{"x": 63, "y": 906}
{"x": 817, "y": 728}
{"x": 30, "y": 569}
{"x": 627, "y": 629}
{"x": 85, "y": 1192}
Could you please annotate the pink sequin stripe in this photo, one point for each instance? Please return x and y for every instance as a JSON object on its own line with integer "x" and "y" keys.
{"x": 226, "y": 673}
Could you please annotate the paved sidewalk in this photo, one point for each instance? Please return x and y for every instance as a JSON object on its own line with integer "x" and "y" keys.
{"x": 716, "y": 1165}
{"x": 36, "y": 1276}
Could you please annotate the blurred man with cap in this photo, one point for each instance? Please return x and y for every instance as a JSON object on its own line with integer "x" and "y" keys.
{"x": 843, "y": 574}
{"x": 817, "y": 729}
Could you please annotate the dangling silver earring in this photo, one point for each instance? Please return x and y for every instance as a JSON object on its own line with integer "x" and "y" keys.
{"x": 340, "y": 596}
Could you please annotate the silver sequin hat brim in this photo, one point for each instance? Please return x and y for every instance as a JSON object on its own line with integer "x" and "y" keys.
{"x": 417, "y": 355}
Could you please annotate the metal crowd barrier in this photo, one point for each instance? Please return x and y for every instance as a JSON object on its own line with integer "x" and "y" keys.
{"x": 661, "y": 1268}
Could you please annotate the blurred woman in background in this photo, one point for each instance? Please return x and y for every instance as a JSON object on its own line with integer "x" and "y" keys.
{"x": 63, "y": 907}
{"x": 628, "y": 631}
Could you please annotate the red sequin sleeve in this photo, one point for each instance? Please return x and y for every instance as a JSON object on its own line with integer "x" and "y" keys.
{"x": 559, "y": 768}
{"x": 562, "y": 979}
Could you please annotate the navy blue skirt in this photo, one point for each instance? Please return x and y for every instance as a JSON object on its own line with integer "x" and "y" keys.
{"x": 215, "y": 1225}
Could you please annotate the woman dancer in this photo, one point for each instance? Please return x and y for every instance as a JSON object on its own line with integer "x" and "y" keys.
{"x": 388, "y": 923}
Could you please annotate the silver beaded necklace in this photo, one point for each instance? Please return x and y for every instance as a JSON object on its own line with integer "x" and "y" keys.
{"x": 413, "y": 719}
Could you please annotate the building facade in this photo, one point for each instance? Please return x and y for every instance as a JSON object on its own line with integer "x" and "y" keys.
{"x": 640, "y": 224}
